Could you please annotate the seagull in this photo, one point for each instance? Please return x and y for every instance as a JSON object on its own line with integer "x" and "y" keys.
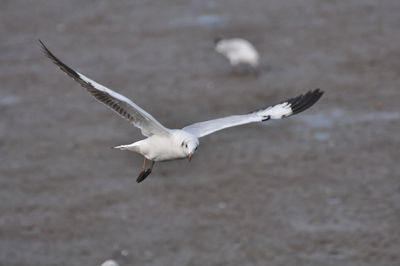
{"x": 164, "y": 144}
{"x": 238, "y": 52}
{"x": 110, "y": 263}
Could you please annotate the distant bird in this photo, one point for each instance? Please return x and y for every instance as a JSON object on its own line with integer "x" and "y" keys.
{"x": 110, "y": 263}
{"x": 163, "y": 144}
{"x": 238, "y": 52}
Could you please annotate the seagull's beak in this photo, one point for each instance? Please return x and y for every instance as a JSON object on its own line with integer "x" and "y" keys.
{"x": 190, "y": 156}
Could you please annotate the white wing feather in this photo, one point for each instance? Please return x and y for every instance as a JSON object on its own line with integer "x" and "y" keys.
{"x": 279, "y": 111}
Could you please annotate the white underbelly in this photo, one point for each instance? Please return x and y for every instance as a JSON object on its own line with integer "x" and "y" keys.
{"x": 160, "y": 149}
{"x": 165, "y": 155}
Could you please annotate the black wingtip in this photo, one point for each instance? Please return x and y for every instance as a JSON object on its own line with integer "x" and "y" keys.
{"x": 305, "y": 101}
{"x": 58, "y": 62}
{"x": 45, "y": 50}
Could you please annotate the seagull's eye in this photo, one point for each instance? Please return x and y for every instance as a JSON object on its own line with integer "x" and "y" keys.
{"x": 186, "y": 145}
{"x": 196, "y": 148}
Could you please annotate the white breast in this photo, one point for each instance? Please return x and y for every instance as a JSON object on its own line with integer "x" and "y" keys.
{"x": 161, "y": 148}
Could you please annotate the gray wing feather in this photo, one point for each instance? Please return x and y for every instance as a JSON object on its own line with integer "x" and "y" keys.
{"x": 279, "y": 111}
{"x": 117, "y": 102}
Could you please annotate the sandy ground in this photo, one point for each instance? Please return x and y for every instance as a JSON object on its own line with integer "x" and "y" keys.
{"x": 320, "y": 188}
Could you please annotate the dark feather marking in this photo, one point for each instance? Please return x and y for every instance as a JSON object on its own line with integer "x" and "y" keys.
{"x": 58, "y": 62}
{"x": 99, "y": 95}
{"x": 305, "y": 101}
{"x": 299, "y": 103}
{"x": 268, "y": 117}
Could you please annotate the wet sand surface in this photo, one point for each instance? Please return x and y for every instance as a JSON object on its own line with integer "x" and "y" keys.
{"x": 320, "y": 188}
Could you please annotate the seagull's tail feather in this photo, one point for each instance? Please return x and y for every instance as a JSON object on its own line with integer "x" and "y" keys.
{"x": 120, "y": 147}
{"x": 131, "y": 147}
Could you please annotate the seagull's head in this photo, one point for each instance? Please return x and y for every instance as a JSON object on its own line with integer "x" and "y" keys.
{"x": 189, "y": 147}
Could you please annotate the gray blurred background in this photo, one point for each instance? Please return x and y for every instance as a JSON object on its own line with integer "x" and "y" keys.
{"x": 320, "y": 188}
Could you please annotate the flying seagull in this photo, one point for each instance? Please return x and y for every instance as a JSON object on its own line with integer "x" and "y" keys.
{"x": 238, "y": 52}
{"x": 163, "y": 144}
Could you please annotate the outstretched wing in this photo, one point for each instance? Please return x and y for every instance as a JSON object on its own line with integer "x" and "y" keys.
{"x": 279, "y": 111}
{"x": 117, "y": 102}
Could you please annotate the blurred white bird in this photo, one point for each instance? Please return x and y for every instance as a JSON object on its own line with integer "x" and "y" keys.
{"x": 163, "y": 144}
{"x": 110, "y": 263}
{"x": 238, "y": 52}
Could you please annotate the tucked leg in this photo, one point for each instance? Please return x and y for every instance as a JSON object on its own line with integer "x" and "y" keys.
{"x": 144, "y": 164}
{"x": 146, "y": 173}
{"x": 141, "y": 174}
{"x": 151, "y": 167}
